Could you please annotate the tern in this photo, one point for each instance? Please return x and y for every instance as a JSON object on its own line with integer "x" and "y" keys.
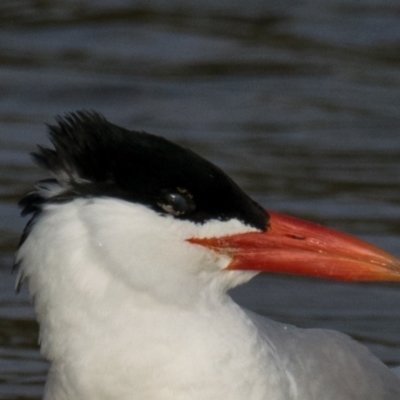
{"x": 131, "y": 248}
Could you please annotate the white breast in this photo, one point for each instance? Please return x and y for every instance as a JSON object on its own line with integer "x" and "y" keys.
{"x": 115, "y": 325}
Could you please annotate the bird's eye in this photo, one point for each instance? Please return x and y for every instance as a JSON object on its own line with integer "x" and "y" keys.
{"x": 177, "y": 202}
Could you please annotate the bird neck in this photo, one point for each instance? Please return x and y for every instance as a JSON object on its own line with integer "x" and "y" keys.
{"x": 128, "y": 345}
{"x": 109, "y": 336}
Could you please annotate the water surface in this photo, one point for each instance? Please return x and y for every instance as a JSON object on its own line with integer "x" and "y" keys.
{"x": 298, "y": 101}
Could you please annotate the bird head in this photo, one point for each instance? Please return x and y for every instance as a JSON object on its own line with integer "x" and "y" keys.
{"x": 156, "y": 215}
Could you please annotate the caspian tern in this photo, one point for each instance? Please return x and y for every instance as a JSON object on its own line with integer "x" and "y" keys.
{"x": 129, "y": 254}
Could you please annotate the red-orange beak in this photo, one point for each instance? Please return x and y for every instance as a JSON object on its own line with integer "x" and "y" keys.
{"x": 291, "y": 245}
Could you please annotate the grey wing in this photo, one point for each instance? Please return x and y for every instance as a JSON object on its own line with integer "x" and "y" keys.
{"x": 329, "y": 365}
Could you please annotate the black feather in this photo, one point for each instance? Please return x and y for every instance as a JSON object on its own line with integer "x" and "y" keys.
{"x": 93, "y": 157}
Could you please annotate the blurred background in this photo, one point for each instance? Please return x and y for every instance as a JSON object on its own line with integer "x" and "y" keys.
{"x": 299, "y": 101}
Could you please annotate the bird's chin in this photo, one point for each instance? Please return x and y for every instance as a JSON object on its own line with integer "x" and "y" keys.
{"x": 231, "y": 279}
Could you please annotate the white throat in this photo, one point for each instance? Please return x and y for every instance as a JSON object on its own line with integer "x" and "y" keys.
{"x": 128, "y": 309}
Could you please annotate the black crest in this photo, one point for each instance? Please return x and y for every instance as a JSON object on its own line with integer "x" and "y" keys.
{"x": 93, "y": 157}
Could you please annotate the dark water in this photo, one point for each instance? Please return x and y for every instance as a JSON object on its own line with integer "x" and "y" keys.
{"x": 298, "y": 100}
